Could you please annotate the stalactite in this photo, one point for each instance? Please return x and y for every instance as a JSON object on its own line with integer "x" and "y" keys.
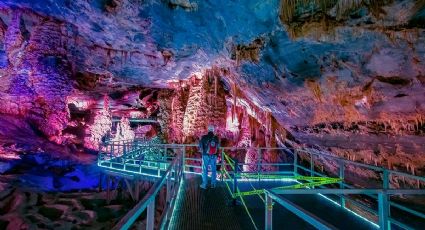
{"x": 122, "y": 57}
{"x": 106, "y": 102}
{"x": 234, "y": 101}
{"x": 108, "y": 58}
{"x": 251, "y": 125}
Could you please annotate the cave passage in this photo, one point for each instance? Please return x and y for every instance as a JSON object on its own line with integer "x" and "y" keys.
{"x": 311, "y": 113}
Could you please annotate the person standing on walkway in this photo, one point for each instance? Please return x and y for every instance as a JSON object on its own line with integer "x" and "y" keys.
{"x": 208, "y": 146}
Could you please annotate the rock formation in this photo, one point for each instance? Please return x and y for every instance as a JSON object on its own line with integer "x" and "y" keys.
{"x": 345, "y": 77}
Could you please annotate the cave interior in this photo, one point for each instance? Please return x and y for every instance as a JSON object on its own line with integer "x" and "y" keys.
{"x": 343, "y": 78}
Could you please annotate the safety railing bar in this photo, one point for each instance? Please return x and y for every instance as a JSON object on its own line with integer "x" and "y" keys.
{"x": 314, "y": 172}
{"x": 410, "y": 176}
{"x": 127, "y": 171}
{"x": 147, "y": 163}
{"x": 254, "y": 148}
{"x": 350, "y": 191}
{"x": 411, "y": 211}
{"x": 193, "y": 159}
{"x": 140, "y": 207}
{"x": 150, "y": 167}
{"x": 300, "y": 212}
{"x": 321, "y": 174}
{"x": 194, "y": 166}
{"x": 276, "y": 164}
{"x": 267, "y": 164}
{"x": 266, "y": 172}
{"x": 340, "y": 192}
{"x": 359, "y": 204}
{"x": 398, "y": 223}
{"x": 306, "y": 151}
{"x": 133, "y": 152}
{"x": 174, "y": 191}
{"x": 303, "y": 168}
{"x": 169, "y": 145}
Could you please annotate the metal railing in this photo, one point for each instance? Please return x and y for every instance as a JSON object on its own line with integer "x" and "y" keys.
{"x": 171, "y": 181}
{"x": 301, "y": 162}
{"x": 384, "y": 220}
{"x": 385, "y": 175}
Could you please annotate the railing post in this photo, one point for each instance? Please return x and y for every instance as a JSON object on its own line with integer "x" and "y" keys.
{"x": 383, "y": 210}
{"x": 235, "y": 181}
{"x": 260, "y": 158}
{"x": 124, "y": 156}
{"x": 124, "y": 148}
{"x": 385, "y": 179}
{"x": 168, "y": 198}
{"x": 222, "y": 165}
{"x": 311, "y": 165}
{"x": 341, "y": 184}
{"x": 111, "y": 155}
{"x": 184, "y": 159}
{"x": 159, "y": 168}
{"x": 182, "y": 164}
{"x": 269, "y": 212}
{"x": 108, "y": 180}
{"x": 295, "y": 162}
{"x": 151, "y": 216}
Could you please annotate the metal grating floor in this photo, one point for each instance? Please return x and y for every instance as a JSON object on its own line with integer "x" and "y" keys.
{"x": 209, "y": 209}
{"x": 206, "y": 209}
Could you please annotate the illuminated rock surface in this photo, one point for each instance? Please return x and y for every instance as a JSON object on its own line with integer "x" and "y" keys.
{"x": 341, "y": 76}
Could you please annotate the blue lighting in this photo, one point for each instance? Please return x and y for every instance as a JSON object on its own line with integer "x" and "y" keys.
{"x": 177, "y": 205}
{"x": 352, "y": 212}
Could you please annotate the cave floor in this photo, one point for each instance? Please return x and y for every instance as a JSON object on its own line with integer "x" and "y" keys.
{"x": 211, "y": 209}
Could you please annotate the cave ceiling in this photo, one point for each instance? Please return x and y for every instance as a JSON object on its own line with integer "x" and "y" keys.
{"x": 311, "y": 65}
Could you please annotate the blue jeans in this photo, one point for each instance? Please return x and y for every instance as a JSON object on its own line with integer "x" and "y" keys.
{"x": 209, "y": 160}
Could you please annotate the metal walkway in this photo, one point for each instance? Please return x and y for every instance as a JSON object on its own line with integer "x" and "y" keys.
{"x": 206, "y": 209}
{"x": 213, "y": 209}
{"x": 293, "y": 193}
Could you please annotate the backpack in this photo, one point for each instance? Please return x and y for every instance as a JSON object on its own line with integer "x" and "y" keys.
{"x": 212, "y": 146}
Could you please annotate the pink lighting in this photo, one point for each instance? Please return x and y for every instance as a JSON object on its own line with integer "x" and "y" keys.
{"x": 101, "y": 126}
{"x": 232, "y": 124}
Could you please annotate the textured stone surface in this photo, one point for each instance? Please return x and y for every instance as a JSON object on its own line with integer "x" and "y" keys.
{"x": 345, "y": 76}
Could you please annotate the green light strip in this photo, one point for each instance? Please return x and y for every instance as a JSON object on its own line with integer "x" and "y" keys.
{"x": 246, "y": 209}
{"x": 238, "y": 191}
{"x": 279, "y": 176}
{"x": 313, "y": 181}
{"x": 252, "y": 186}
{"x": 227, "y": 185}
{"x": 230, "y": 191}
{"x": 229, "y": 161}
{"x": 226, "y": 172}
{"x": 297, "y": 186}
{"x": 228, "y": 158}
